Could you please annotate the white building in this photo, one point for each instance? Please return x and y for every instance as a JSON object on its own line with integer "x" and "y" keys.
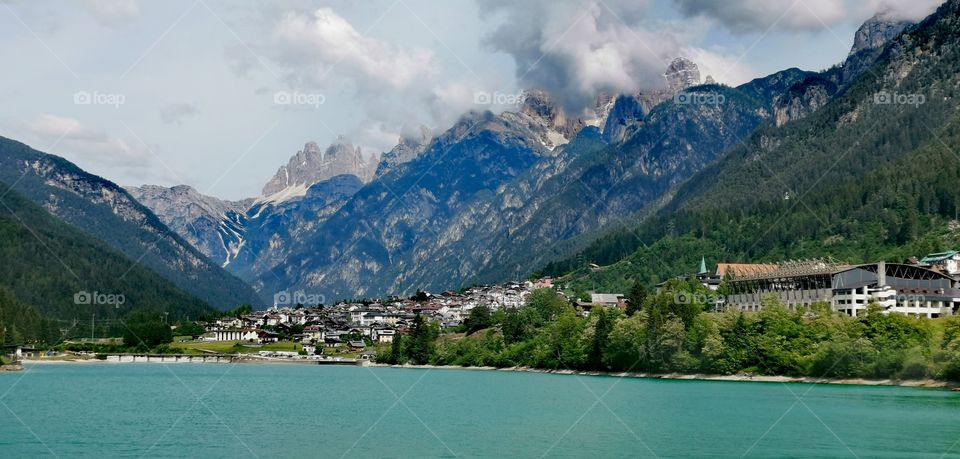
{"x": 245, "y": 334}
{"x": 902, "y": 288}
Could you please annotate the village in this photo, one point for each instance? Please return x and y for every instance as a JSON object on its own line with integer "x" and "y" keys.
{"x": 925, "y": 287}
{"x": 354, "y": 329}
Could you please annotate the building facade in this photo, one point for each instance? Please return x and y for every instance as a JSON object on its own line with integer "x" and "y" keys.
{"x": 908, "y": 289}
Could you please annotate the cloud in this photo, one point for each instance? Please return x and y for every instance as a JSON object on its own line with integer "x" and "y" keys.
{"x": 318, "y": 51}
{"x": 749, "y": 16}
{"x": 745, "y": 16}
{"x": 323, "y": 46}
{"x": 113, "y": 12}
{"x": 175, "y": 113}
{"x": 911, "y": 10}
{"x": 85, "y": 144}
{"x": 576, "y": 49}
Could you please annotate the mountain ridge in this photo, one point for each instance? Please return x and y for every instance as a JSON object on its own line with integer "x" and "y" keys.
{"x": 107, "y": 212}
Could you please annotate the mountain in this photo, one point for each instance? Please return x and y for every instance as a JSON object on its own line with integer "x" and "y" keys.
{"x": 212, "y": 226}
{"x": 681, "y": 74}
{"x": 251, "y": 236}
{"x": 370, "y": 243}
{"x": 815, "y": 91}
{"x": 311, "y": 165}
{"x": 272, "y": 230}
{"x": 869, "y": 175}
{"x": 55, "y": 275}
{"x": 589, "y": 185}
{"x": 497, "y": 195}
{"x": 107, "y": 212}
{"x": 408, "y": 148}
{"x": 877, "y": 31}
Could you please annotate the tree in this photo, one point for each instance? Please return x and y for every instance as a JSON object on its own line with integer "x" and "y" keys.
{"x": 420, "y": 296}
{"x": 422, "y": 336}
{"x": 188, "y": 328}
{"x": 563, "y": 339}
{"x": 638, "y": 294}
{"x": 626, "y": 347}
{"x": 601, "y": 337}
{"x": 548, "y": 304}
{"x": 240, "y": 311}
{"x": 480, "y": 318}
{"x": 145, "y": 332}
{"x": 519, "y": 324}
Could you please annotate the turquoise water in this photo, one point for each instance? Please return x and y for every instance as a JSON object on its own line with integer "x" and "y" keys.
{"x": 183, "y": 410}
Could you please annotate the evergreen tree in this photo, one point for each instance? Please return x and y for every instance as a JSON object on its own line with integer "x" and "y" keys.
{"x": 638, "y": 294}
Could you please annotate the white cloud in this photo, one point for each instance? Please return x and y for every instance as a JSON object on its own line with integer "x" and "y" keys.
{"x": 175, "y": 113}
{"x": 86, "y": 145}
{"x": 752, "y": 16}
{"x": 575, "y": 49}
{"x": 911, "y": 10}
{"x": 724, "y": 68}
{"x": 315, "y": 49}
{"x": 113, "y": 12}
{"x": 760, "y": 15}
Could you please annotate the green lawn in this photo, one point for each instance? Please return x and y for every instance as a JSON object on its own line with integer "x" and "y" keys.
{"x": 228, "y": 347}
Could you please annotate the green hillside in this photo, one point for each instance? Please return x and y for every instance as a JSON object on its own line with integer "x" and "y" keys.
{"x": 105, "y": 211}
{"x": 858, "y": 180}
{"x": 47, "y": 263}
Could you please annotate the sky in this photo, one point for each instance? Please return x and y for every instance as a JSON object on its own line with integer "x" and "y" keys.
{"x": 219, "y": 94}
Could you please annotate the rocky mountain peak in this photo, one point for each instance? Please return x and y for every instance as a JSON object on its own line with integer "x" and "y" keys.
{"x": 538, "y": 104}
{"x": 877, "y": 31}
{"x": 681, "y": 74}
{"x": 311, "y": 165}
{"x": 410, "y": 145}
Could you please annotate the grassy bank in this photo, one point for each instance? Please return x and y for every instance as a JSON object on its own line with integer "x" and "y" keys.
{"x": 663, "y": 336}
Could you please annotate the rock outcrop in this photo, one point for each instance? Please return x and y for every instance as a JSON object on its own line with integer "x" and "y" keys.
{"x": 876, "y": 32}
{"x": 311, "y": 165}
{"x": 681, "y": 74}
{"x": 213, "y": 226}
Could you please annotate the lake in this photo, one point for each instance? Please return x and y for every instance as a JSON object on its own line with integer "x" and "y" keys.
{"x": 249, "y": 410}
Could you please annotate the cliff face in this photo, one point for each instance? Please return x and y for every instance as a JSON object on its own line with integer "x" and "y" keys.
{"x": 311, "y": 165}
{"x": 409, "y": 147}
{"x": 876, "y": 32}
{"x": 682, "y": 74}
{"x": 214, "y": 227}
{"x": 811, "y": 94}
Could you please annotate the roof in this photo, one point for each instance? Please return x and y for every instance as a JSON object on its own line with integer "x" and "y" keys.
{"x": 936, "y": 257}
{"x": 605, "y": 298}
{"x": 745, "y": 269}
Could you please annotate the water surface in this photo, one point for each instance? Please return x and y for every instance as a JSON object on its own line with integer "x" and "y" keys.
{"x": 244, "y": 410}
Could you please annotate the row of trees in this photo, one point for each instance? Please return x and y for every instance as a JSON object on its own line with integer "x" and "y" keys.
{"x": 664, "y": 336}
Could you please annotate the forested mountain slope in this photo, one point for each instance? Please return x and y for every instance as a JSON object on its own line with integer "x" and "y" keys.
{"x": 51, "y": 272}
{"x": 107, "y": 212}
{"x": 871, "y": 175}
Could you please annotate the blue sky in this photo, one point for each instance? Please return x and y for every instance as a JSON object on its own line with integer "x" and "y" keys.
{"x": 218, "y": 94}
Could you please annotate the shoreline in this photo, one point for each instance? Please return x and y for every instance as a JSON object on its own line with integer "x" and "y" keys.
{"x": 914, "y": 383}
